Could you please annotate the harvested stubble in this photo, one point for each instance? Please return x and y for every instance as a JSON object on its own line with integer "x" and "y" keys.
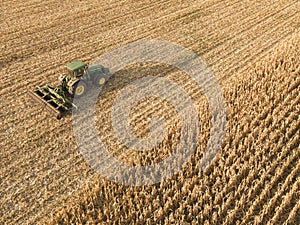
{"x": 254, "y": 180}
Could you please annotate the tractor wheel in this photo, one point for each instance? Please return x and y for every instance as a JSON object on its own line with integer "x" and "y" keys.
{"x": 100, "y": 79}
{"x": 79, "y": 89}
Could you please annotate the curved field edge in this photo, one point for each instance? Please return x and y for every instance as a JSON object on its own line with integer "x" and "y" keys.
{"x": 264, "y": 102}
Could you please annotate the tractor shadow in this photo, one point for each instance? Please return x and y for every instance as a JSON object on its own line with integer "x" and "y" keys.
{"x": 120, "y": 80}
{"x": 124, "y": 77}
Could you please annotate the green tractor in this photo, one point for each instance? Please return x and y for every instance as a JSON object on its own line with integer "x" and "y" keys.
{"x": 75, "y": 84}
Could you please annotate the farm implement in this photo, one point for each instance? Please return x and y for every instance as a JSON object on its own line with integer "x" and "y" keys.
{"x": 59, "y": 100}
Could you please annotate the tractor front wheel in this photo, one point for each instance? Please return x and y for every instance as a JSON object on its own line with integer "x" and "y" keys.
{"x": 100, "y": 79}
{"x": 79, "y": 89}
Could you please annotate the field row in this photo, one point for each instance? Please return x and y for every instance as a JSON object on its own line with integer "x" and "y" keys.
{"x": 41, "y": 166}
{"x": 242, "y": 177}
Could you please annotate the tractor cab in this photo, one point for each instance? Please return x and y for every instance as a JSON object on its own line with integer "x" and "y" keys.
{"x": 76, "y": 68}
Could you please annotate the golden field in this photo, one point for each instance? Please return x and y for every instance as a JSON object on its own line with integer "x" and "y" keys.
{"x": 253, "y": 49}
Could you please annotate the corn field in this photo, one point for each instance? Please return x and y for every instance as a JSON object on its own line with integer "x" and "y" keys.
{"x": 251, "y": 47}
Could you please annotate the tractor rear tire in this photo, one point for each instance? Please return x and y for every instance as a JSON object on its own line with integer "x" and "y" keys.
{"x": 100, "y": 79}
{"x": 79, "y": 89}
